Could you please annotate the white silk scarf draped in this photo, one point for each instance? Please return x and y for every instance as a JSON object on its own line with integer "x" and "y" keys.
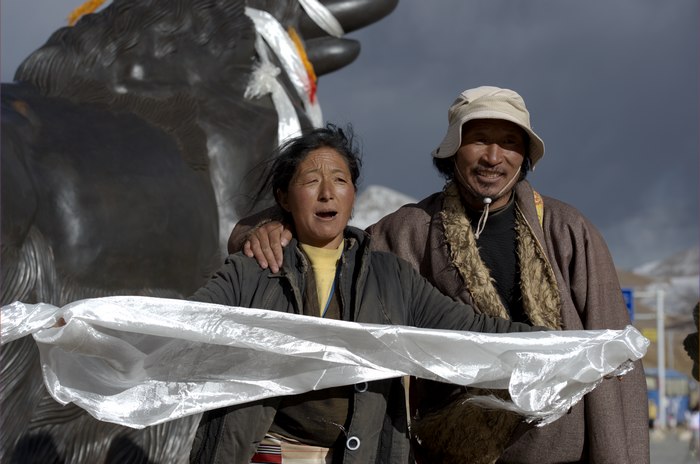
{"x": 139, "y": 361}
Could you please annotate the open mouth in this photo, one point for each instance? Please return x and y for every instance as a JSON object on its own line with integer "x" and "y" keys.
{"x": 327, "y": 214}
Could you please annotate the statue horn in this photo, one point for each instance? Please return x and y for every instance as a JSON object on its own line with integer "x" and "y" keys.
{"x": 352, "y": 15}
{"x": 328, "y": 54}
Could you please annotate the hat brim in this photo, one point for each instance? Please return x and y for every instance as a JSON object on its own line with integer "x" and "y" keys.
{"x": 453, "y": 138}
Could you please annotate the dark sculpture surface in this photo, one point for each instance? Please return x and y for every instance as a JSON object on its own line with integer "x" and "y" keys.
{"x": 128, "y": 152}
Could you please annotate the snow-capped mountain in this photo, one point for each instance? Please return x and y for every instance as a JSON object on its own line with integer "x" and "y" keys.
{"x": 678, "y": 276}
{"x": 374, "y": 203}
{"x": 681, "y": 264}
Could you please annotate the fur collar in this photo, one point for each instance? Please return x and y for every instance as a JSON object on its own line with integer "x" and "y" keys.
{"x": 541, "y": 300}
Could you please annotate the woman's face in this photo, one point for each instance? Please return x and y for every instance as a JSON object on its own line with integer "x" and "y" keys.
{"x": 320, "y": 198}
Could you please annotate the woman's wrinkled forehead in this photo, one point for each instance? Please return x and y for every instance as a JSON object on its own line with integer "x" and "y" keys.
{"x": 322, "y": 158}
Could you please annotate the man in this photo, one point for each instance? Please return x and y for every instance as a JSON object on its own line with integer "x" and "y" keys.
{"x": 488, "y": 239}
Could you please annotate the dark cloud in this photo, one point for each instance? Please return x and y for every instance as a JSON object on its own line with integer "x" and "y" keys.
{"x": 612, "y": 86}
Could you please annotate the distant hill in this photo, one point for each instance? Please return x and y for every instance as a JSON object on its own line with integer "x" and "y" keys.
{"x": 683, "y": 264}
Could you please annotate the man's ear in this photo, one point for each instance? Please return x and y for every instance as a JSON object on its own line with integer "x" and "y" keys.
{"x": 282, "y": 199}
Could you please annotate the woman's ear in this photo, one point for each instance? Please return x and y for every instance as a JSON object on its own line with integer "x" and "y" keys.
{"x": 282, "y": 199}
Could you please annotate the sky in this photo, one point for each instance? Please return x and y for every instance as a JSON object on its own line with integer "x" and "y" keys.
{"x": 611, "y": 86}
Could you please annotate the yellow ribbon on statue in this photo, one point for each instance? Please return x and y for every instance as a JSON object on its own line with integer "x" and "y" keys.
{"x": 86, "y": 8}
{"x": 304, "y": 59}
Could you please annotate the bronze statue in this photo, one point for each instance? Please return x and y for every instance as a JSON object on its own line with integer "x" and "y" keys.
{"x": 129, "y": 149}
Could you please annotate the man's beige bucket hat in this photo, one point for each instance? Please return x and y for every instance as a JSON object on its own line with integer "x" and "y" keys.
{"x": 487, "y": 103}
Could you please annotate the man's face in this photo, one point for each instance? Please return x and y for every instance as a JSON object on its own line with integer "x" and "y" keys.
{"x": 487, "y": 164}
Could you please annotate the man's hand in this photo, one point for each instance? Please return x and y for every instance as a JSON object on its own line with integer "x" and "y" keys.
{"x": 265, "y": 244}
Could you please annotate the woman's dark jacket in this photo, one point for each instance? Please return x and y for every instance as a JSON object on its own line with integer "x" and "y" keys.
{"x": 375, "y": 287}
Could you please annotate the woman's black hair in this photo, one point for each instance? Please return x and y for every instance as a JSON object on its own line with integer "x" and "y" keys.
{"x": 292, "y": 152}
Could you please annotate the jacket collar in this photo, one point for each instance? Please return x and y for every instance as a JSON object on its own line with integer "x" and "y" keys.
{"x": 354, "y": 263}
{"x": 356, "y": 240}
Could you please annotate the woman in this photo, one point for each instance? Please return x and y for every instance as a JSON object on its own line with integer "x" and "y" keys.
{"x": 330, "y": 272}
